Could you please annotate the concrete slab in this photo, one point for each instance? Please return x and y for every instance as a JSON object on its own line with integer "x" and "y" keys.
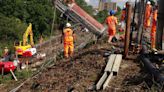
{"x": 101, "y": 81}
{"x": 117, "y": 63}
{"x": 107, "y": 80}
{"x": 110, "y": 63}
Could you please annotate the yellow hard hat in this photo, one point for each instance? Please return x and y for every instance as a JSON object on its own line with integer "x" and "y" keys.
{"x": 5, "y": 47}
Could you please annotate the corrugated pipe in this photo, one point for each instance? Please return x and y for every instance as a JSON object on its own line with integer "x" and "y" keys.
{"x": 146, "y": 58}
{"x": 153, "y": 71}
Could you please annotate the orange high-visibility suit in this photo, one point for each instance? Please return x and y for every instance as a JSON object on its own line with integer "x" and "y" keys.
{"x": 68, "y": 42}
{"x": 111, "y": 21}
{"x": 153, "y": 30}
{"x": 147, "y": 16}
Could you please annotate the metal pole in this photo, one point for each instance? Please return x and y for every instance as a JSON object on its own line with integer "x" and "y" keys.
{"x": 54, "y": 17}
{"x": 160, "y": 26}
{"x": 127, "y": 33}
{"x": 52, "y": 28}
{"x": 140, "y": 21}
{"x": 133, "y": 23}
{"x": 2, "y": 70}
{"x": 13, "y": 75}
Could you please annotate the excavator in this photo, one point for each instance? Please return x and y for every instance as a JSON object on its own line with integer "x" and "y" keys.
{"x": 23, "y": 48}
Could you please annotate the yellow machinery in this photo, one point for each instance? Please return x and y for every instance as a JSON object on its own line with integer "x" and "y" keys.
{"x": 23, "y": 46}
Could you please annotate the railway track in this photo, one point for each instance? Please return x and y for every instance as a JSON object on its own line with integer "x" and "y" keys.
{"x": 53, "y": 48}
{"x": 72, "y": 74}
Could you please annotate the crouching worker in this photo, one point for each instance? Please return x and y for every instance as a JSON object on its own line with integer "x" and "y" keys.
{"x": 68, "y": 38}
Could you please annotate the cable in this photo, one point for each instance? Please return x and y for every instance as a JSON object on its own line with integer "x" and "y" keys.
{"x": 52, "y": 28}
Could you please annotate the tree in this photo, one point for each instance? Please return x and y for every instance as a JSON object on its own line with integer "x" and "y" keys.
{"x": 152, "y": 2}
{"x": 101, "y": 16}
{"x": 37, "y": 12}
{"x": 118, "y": 13}
{"x": 85, "y": 6}
{"x": 11, "y": 29}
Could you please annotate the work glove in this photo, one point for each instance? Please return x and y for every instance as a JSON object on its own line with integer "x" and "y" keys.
{"x": 119, "y": 23}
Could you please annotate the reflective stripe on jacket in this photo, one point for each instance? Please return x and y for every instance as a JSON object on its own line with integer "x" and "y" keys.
{"x": 68, "y": 35}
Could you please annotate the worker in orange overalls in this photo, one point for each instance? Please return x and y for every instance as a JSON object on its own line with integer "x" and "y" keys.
{"x": 147, "y": 15}
{"x": 154, "y": 26}
{"x": 111, "y": 21}
{"x": 68, "y": 37}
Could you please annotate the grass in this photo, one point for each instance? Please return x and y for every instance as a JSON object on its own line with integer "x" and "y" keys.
{"x": 23, "y": 74}
{"x": 8, "y": 78}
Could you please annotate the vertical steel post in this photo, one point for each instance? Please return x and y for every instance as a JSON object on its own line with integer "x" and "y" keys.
{"x": 160, "y": 26}
{"x": 133, "y": 23}
{"x": 2, "y": 70}
{"x": 127, "y": 32}
{"x": 140, "y": 21}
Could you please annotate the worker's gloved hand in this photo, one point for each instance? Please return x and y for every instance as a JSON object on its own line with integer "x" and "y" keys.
{"x": 119, "y": 23}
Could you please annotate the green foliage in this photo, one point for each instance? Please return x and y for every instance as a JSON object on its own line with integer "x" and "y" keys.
{"x": 23, "y": 74}
{"x": 152, "y": 2}
{"x": 118, "y": 13}
{"x": 15, "y": 15}
{"x": 10, "y": 30}
{"x": 101, "y": 16}
{"x": 37, "y": 12}
{"x": 83, "y": 5}
{"x": 8, "y": 78}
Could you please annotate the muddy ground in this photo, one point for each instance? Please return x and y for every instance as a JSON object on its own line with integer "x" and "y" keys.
{"x": 51, "y": 48}
{"x": 81, "y": 73}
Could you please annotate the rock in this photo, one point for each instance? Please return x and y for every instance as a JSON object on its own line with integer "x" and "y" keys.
{"x": 92, "y": 88}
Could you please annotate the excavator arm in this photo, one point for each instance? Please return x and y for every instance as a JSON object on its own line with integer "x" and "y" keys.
{"x": 26, "y": 34}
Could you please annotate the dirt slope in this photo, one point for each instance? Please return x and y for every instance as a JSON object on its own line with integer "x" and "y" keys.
{"x": 83, "y": 71}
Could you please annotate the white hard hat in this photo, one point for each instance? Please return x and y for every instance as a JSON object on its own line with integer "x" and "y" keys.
{"x": 68, "y": 25}
{"x": 148, "y": 2}
{"x": 124, "y": 6}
